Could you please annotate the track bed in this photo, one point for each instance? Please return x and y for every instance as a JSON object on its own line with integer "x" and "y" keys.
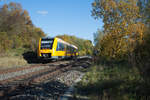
{"x": 43, "y": 82}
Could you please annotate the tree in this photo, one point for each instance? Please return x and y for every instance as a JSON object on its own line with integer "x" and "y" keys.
{"x": 84, "y": 46}
{"x": 17, "y": 28}
{"x": 4, "y": 43}
{"x": 122, "y": 26}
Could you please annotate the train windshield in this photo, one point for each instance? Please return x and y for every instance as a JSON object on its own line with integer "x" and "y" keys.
{"x": 46, "y": 43}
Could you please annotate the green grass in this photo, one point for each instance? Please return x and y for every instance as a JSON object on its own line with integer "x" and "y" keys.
{"x": 117, "y": 83}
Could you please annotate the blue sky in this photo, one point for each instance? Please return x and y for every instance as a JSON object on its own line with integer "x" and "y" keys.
{"x": 58, "y": 17}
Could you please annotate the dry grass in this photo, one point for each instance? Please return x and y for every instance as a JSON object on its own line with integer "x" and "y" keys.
{"x": 12, "y": 62}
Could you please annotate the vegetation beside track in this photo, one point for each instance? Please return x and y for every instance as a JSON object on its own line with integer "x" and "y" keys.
{"x": 121, "y": 52}
{"x": 119, "y": 82}
{"x": 17, "y": 35}
{"x": 17, "y": 29}
{"x": 13, "y": 58}
{"x": 12, "y": 62}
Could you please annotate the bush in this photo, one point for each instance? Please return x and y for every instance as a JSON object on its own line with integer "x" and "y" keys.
{"x": 116, "y": 83}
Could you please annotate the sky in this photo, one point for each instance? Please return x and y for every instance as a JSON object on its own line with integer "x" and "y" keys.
{"x": 58, "y": 17}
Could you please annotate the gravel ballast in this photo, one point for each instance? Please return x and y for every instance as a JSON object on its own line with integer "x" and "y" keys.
{"x": 69, "y": 77}
{"x": 19, "y": 73}
{"x": 51, "y": 88}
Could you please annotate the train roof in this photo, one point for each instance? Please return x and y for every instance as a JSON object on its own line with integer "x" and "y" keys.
{"x": 62, "y": 41}
{"x": 47, "y": 38}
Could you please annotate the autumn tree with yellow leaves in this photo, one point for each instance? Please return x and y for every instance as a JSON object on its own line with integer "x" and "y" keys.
{"x": 126, "y": 33}
{"x": 17, "y": 29}
{"x": 123, "y": 47}
{"x": 123, "y": 28}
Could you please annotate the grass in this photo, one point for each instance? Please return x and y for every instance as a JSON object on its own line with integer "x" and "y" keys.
{"x": 16, "y": 52}
{"x": 113, "y": 83}
{"x": 13, "y": 58}
{"x": 11, "y": 62}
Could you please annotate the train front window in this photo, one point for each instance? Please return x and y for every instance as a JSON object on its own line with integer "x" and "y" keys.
{"x": 46, "y": 43}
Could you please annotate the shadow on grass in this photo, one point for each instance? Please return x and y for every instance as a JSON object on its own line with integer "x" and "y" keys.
{"x": 115, "y": 90}
{"x": 31, "y": 58}
{"x": 44, "y": 91}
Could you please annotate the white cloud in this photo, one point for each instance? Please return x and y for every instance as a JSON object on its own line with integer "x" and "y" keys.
{"x": 43, "y": 12}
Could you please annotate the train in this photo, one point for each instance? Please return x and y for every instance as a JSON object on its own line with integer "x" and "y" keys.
{"x": 56, "y": 48}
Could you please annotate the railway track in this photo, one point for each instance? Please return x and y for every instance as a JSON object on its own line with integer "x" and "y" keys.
{"x": 10, "y": 74}
{"x": 49, "y": 71}
{"x": 29, "y": 67}
{"x": 12, "y": 86}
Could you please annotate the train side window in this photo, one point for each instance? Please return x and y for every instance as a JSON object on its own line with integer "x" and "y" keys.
{"x": 60, "y": 47}
{"x": 63, "y": 47}
{"x": 67, "y": 49}
{"x": 71, "y": 49}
